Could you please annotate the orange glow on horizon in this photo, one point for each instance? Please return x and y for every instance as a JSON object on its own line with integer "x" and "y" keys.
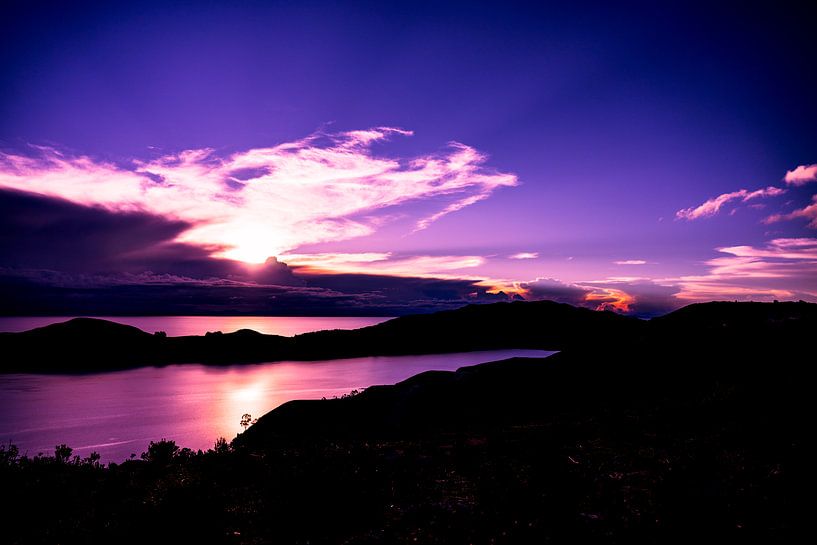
{"x": 611, "y": 299}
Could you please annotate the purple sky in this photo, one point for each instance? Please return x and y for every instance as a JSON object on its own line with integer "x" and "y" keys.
{"x": 403, "y": 157}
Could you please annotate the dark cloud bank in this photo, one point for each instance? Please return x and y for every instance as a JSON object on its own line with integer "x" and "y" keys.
{"x": 58, "y": 258}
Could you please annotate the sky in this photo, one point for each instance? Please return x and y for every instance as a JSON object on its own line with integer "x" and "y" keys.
{"x": 383, "y": 158}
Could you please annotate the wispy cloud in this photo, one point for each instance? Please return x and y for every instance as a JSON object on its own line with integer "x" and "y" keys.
{"x": 265, "y": 201}
{"x": 808, "y": 212}
{"x": 801, "y": 175}
{"x": 442, "y": 267}
{"x": 714, "y": 205}
{"x": 779, "y": 248}
{"x": 631, "y": 262}
{"x": 382, "y": 263}
{"x": 785, "y": 268}
{"x": 524, "y": 255}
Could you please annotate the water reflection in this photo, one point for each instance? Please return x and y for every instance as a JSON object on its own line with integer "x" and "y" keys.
{"x": 119, "y": 413}
{"x": 199, "y": 325}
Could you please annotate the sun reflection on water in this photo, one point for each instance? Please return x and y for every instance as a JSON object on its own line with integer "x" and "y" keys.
{"x": 119, "y": 413}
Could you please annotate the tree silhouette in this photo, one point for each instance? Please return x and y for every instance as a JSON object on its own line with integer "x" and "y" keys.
{"x": 62, "y": 453}
{"x": 161, "y": 452}
{"x": 221, "y": 446}
{"x": 246, "y": 420}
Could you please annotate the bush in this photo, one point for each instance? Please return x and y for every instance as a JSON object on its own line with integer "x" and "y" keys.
{"x": 161, "y": 452}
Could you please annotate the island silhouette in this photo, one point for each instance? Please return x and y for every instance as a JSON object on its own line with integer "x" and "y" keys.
{"x": 87, "y": 344}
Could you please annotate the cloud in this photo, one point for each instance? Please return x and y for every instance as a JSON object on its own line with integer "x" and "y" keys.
{"x": 801, "y": 175}
{"x": 786, "y": 268}
{"x": 779, "y": 248}
{"x": 647, "y": 297}
{"x": 453, "y": 207}
{"x": 44, "y": 292}
{"x": 409, "y": 293}
{"x": 642, "y": 297}
{"x": 265, "y": 201}
{"x": 610, "y": 299}
{"x": 58, "y": 293}
{"x": 60, "y": 257}
{"x": 783, "y": 270}
{"x": 524, "y": 255}
{"x": 808, "y": 212}
{"x": 443, "y": 267}
{"x": 52, "y": 234}
{"x": 555, "y": 290}
{"x": 421, "y": 266}
{"x": 713, "y": 205}
{"x": 631, "y": 262}
{"x": 578, "y": 294}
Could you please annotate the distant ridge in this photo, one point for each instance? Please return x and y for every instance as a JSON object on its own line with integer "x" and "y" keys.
{"x": 719, "y": 314}
{"x": 86, "y": 344}
{"x": 86, "y": 327}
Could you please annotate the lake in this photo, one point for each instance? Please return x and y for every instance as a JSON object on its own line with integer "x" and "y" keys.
{"x": 199, "y": 325}
{"x": 119, "y": 413}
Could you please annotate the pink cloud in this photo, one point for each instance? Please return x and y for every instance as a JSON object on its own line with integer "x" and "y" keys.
{"x": 635, "y": 295}
{"x": 782, "y": 268}
{"x": 610, "y": 299}
{"x": 266, "y": 201}
{"x": 785, "y": 268}
{"x": 453, "y": 207}
{"x": 809, "y": 212}
{"x": 444, "y": 267}
{"x": 713, "y": 205}
{"x": 716, "y": 291}
{"x": 770, "y": 191}
{"x": 524, "y": 255}
{"x": 779, "y": 248}
{"x": 631, "y": 262}
{"x": 383, "y": 263}
{"x": 580, "y": 294}
{"x": 801, "y": 175}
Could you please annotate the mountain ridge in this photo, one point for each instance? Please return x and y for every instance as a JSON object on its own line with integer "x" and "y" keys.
{"x": 86, "y": 344}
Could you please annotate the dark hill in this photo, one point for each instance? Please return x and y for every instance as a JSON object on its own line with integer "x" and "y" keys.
{"x": 695, "y": 432}
{"x": 82, "y": 343}
{"x": 742, "y": 318}
{"x": 96, "y": 345}
{"x": 86, "y": 328}
{"x": 90, "y": 345}
{"x": 520, "y": 324}
{"x": 692, "y": 428}
{"x": 708, "y": 350}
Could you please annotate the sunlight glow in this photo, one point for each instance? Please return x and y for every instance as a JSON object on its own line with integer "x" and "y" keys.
{"x": 262, "y": 202}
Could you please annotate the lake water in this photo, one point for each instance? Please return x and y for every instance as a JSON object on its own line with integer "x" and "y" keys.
{"x": 199, "y": 325}
{"x": 119, "y": 413}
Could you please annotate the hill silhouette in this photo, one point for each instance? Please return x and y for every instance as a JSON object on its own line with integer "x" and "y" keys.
{"x": 85, "y": 344}
{"x": 691, "y": 350}
{"x": 689, "y": 428}
{"x": 694, "y": 428}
